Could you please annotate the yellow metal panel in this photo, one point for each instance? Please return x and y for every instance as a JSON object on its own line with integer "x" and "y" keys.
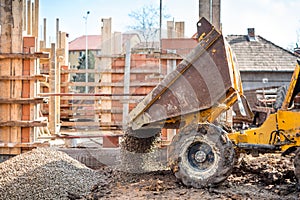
{"x": 288, "y": 120}
{"x": 259, "y": 135}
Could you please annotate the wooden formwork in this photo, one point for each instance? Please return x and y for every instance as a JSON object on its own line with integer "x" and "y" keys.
{"x": 19, "y": 58}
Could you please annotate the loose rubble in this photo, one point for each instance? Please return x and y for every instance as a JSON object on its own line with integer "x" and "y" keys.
{"x": 269, "y": 176}
{"x": 45, "y": 173}
{"x": 51, "y": 174}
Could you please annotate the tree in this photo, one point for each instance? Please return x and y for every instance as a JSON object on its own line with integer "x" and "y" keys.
{"x": 147, "y": 21}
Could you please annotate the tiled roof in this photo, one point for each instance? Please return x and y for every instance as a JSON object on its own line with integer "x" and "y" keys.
{"x": 94, "y": 43}
{"x": 261, "y": 54}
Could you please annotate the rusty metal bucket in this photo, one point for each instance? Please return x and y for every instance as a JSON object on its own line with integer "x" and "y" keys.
{"x": 201, "y": 81}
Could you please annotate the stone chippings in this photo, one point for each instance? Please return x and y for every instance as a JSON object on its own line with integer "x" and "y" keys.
{"x": 45, "y": 173}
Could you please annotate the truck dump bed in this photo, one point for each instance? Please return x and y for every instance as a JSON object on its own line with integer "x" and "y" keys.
{"x": 205, "y": 79}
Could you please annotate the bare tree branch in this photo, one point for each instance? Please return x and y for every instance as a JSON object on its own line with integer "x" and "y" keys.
{"x": 146, "y": 22}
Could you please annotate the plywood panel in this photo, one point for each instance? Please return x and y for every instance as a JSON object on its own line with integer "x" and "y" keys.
{"x": 5, "y": 43}
{"x": 16, "y": 70}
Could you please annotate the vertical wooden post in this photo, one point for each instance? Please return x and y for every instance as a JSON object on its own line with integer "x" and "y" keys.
{"x": 44, "y": 41}
{"x": 52, "y": 108}
{"x": 126, "y": 81}
{"x": 106, "y": 50}
{"x": 16, "y": 70}
{"x": 24, "y": 15}
{"x": 33, "y": 33}
{"x": 64, "y": 48}
{"x": 11, "y": 42}
{"x": 36, "y": 18}
{"x": 28, "y": 90}
{"x": 57, "y": 90}
{"x": 29, "y": 31}
{"x": 57, "y": 33}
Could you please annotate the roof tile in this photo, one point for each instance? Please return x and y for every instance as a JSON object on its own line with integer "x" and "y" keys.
{"x": 261, "y": 55}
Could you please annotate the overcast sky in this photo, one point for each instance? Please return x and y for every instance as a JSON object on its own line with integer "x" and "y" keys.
{"x": 275, "y": 20}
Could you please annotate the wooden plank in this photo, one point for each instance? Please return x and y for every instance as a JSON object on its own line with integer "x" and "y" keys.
{"x": 111, "y": 84}
{"x": 24, "y": 55}
{"x": 23, "y": 124}
{"x": 36, "y": 18}
{"x": 45, "y": 32}
{"x": 106, "y": 63}
{"x": 16, "y": 70}
{"x": 25, "y": 134}
{"x": 23, "y": 145}
{"x": 80, "y": 124}
{"x": 21, "y": 100}
{"x": 5, "y": 47}
{"x": 39, "y": 77}
{"x": 113, "y": 111}
{"x": 85, "y": 112}
{"x": 74, "y": 105}
{"x": 169, "y": 56}
{"x": 24, "y": 16}
{"x": 26, "y": 114}
{"x": 103, "y": 98}
{"x": 52, "y": 110}
{"x": 111, "y": 71}
{"x": 29, "y": 26}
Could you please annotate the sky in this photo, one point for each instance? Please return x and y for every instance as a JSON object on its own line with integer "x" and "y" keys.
{"x": 275, "y": 20}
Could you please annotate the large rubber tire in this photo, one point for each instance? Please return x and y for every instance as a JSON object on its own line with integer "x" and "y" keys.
{"x": 280, "y": 96}
{"x": 201, "y": 155}
{"x": 297, "y": 165}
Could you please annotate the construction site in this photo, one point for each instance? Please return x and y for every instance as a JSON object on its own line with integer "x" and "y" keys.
{"x": 112, "y": 116}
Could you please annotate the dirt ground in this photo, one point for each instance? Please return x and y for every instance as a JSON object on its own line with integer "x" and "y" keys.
{"x": 269, "y": 176}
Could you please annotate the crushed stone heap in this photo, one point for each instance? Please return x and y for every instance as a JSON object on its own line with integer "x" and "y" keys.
{"x": 45, "y": 173}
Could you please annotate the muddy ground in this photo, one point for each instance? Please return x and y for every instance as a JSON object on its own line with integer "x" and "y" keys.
{"x": 268, "y": 176}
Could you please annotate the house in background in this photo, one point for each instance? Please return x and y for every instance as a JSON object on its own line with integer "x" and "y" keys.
{"x": 77, "y": 48}
{"x": 264, "y": 67}
{"x": 77, "y": 51}
{"x": 262, "y": 63}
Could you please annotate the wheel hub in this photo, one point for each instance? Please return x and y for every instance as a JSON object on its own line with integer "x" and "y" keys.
{"x": 200, "y": 156}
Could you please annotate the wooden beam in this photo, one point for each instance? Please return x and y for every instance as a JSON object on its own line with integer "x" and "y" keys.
{"x": 110, "y": 84}
{"x": 57, "y": 34}
{"x": 16, "y": 70}
{"x": 36, "y": 18}
{"x": 23, "y": 145}
{"x": 169, "y": 56}
{"x": 113, "y": 71}
{"x": 52, "y": 106}
{"x": 40, "y": 77}
{"x": 21, "y": 100}
{"x": 29, "y": 18}
{"x": 5, "y": 47}
{"x": 24, "y": 55}
{"x": 23, "y": 124}
{"x": 24, "y": 16}
{"x": 45, "y": 32}
{"x": 33, "y": 33}
{"x": 80, "y": 124}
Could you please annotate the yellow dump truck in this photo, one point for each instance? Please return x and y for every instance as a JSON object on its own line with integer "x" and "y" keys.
{"x": 190, "y": 99}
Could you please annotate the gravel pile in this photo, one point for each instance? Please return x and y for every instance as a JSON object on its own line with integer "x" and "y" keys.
{"x": 46, "y": 174}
